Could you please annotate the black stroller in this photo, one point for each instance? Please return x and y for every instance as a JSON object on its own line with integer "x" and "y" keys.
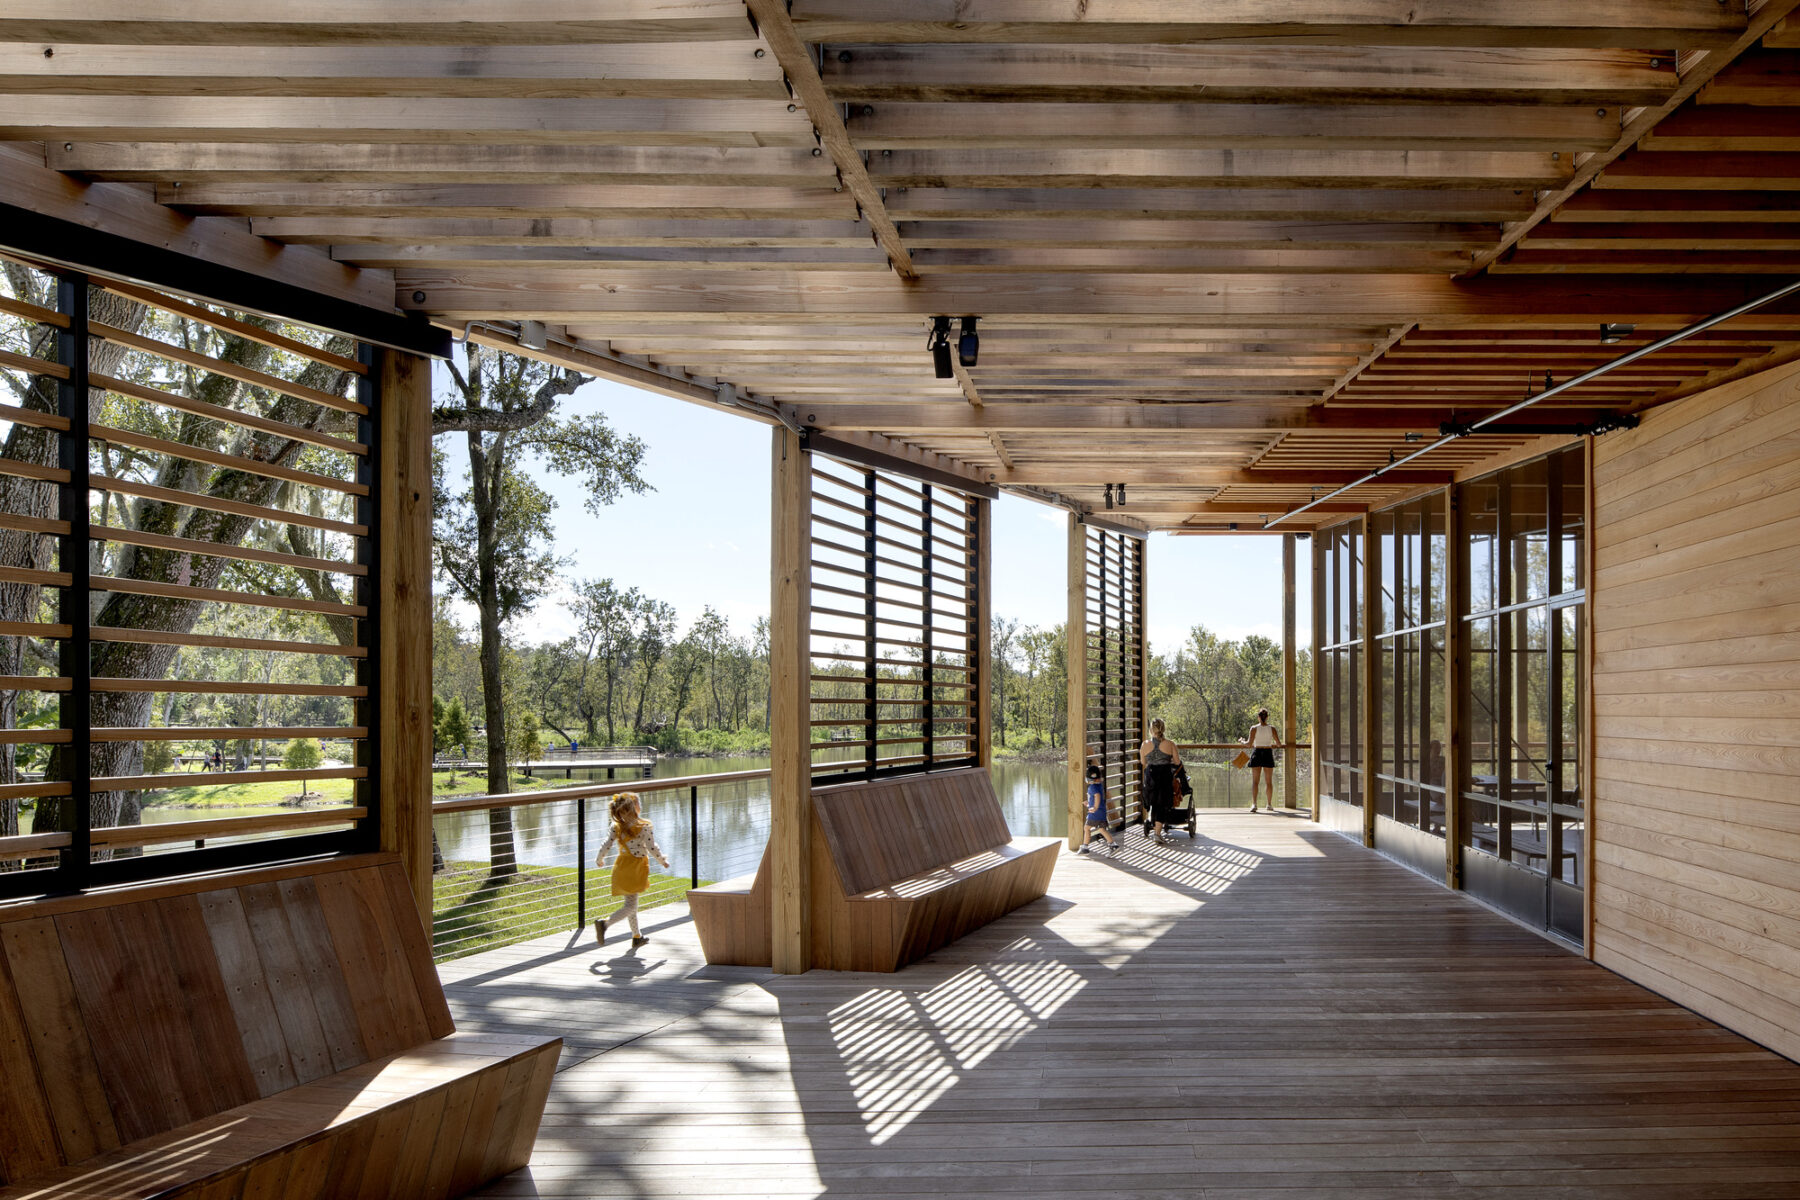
{"x": 1168, "y": 797}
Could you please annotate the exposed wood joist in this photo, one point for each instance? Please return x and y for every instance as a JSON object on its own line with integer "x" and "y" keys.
{"x": 796, "y": 60}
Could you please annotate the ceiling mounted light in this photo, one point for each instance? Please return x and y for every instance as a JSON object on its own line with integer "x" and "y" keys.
{"x": 1121, "y": 495}
{"x": 1611, "y": 333}
{"x": 1109, "y": 497}
{"x": 968, "y": 346}
{"x": 939, "y": 345}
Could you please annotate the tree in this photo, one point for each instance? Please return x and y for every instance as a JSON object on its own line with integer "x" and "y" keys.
{"x": 158, "y": 757}
{"x": 493, "y": 537}
{"x": 527, "y": 742}
{"x": 303, "y": 754}
{"x": 653, "y": 632}
{"x": 1002, "y": 633}
{"x": 453, "y": 730}
{"x": 603, "y": 637}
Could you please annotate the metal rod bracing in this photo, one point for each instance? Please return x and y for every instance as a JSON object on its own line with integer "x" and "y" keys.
{"x": 1587, "y": 376}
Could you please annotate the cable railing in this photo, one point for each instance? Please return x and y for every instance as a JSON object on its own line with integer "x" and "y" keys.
{"x": 519, "y": 866}
{"x": 1217, "y": 784}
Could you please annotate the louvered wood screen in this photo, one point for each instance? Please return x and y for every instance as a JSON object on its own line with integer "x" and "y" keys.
{"x": 1115, "y": 664}
{"x": 892, "y": 624}
{"x": 186, "y": 516}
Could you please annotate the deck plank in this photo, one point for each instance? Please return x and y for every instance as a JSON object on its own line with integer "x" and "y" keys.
{"x": 1268, "y": 1011}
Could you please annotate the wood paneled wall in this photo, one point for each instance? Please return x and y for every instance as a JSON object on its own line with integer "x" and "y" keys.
{"x": 1697, "y": 709}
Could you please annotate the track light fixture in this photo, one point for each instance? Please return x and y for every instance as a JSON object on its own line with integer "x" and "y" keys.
{"x": 1611, "y": 334}
{"x": 1121, "y": 495}
{"x": 939, "y": 345}
{"x": 1109, "y": 497}
{"x": 968, "y": 346}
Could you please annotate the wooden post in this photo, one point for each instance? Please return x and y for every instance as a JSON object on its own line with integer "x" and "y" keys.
{"x": 1456, "y": 679}
{"x": 790, "y": 692}
{"x": 1136, "y": 735}
{"x": 1584, "y": 667}
{"x": 983, "y": 658}
{"x": 1075, "y": 658}
{"x": 402, "y": 579}
{"x": 1371, "y": 676}
{"x": 1290, "y": 707}
{"x": 1318, "y": 639}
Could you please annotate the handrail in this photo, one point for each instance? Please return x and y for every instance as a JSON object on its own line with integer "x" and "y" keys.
{"x": 22, "y": 846}
{"x": 1238, "y": 746}
{"x": 587, "y": 791}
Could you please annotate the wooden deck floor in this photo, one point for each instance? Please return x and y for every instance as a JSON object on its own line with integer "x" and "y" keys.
{"x": 1269, "y": 1011}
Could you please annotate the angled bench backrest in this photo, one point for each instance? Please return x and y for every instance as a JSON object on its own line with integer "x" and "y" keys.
{"x": 884, "y": 830}
{"x": 127, "y": 1013}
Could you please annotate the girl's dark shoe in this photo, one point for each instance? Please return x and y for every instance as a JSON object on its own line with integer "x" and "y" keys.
{"x": 638, "y": 939}
{"x": 599, "y": 931}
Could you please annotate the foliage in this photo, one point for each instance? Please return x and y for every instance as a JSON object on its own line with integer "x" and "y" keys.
{"x": 525, "y": 741}
{"x": 453, "y": 731}
{"x": 303, "y": 754}
{"x": 158, "y": 757}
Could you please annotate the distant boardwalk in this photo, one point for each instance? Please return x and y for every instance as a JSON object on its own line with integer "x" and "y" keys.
{"x": 605, "y": 758}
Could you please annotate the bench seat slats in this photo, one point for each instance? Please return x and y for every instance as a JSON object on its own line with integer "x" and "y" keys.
{"x": 900, "y": 866}
{"x": 261, "y": 1033}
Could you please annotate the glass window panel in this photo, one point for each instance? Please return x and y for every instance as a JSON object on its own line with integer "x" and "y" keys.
{"x": 1528, "y": 539}
{"x": 1481, "y": 519}
{"x": 1568, "y": 751}
{"x": 1573, "y": 521}
{"x": 1482, "y": 718}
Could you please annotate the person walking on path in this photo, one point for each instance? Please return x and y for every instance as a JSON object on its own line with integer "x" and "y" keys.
{"x": 1263, "y": 739}
{"x": 1097, "y": 820}
{"x": 632, "y": 834}
{"x": 1159, "y": 757}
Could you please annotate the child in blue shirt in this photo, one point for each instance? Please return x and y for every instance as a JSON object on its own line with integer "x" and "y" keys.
{"x": 1096, "y": 812}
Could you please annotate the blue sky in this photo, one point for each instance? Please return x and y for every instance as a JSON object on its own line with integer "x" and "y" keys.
{"x": 702, "y": 537}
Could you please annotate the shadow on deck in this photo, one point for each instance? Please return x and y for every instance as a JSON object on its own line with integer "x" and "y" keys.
{"x": 1267, "y": 1011}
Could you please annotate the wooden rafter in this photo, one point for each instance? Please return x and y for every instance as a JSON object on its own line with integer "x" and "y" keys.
{"x": 796, "y": 60}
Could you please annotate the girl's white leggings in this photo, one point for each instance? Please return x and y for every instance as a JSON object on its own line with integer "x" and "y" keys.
{"x": 629, "y": 912}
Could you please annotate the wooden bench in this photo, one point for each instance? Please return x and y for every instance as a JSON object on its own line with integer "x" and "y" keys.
{"x": 272, "y": 1033}
{"x": 900, "y": 866}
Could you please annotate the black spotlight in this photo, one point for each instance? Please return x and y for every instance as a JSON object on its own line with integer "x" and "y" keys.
{"x": 1121, "y": 495}
{"x": 969, "y": 344}
{"x": 1612, "y": 333}
{"x": 939, "y": 345}
{"x": 1109, "y": 497}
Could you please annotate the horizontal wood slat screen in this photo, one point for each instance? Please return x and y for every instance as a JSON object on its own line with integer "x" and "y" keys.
{"x": 892, "y": 624}
{"x": 186, "y": 496}
{"x": 1115, "y": 718}
{"x": 1697, "y": 779}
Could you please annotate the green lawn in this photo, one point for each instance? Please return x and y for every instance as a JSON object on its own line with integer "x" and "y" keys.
{"x": 248, "y": 794}
{"x": 471, "y": 912}
{"x": 475, "y": 784}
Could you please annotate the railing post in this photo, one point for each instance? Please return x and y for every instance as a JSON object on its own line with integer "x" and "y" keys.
{"x": 581, "y": 863}
{"x": 694, "y": 836}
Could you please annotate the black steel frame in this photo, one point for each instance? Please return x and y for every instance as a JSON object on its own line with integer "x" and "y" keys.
{"x": 75, "y": 870}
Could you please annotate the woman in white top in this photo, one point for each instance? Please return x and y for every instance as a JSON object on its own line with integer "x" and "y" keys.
{"x": 1263, "y": 739}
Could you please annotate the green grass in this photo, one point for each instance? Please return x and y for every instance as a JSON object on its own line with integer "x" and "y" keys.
{"x": 472, "y": 912}
{"x": 475, "y": 783}
{"x": 250, "y": 795}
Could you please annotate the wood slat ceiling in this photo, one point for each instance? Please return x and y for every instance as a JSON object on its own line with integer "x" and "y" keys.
{"x": 1230, "y": 254}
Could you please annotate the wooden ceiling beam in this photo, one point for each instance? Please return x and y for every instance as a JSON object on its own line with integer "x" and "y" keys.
{"x": 1196, "y": 232}
{"x": 1098, "y": 420}
{"x": 721, "y": 70}
{"x": 796, "y": 59}
{"x": 1728, "y": 128}
{"x": 1612, "y": 206}
{"x": 1383, "y": 260}
{"x": 642, "y": 230}
{"x": 1396, "y": 203}
{"x": 498, "y": 200}
{"x": 1086, "y": 472}
{"x": 1529, "y": 261}
{"x": 877, "y": 73}
{"x": 1697, "y": 72}
{"x": 1646, "y": 24}
{"x": 903, "y": 125}
{"x": 1296, "y": 300}
{"x": 1095, "y": 169}
{"x": 442, "y": 162}
{"x": 1702, "y": 171}
{"x": 396, "y": 22}
{"x": 1593, "y": 235}
{"x": 334, "y": 120}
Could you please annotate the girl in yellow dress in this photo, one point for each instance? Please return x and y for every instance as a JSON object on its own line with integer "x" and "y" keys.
{"x": 631, "y": 870}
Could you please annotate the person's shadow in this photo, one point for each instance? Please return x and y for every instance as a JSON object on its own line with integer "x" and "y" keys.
{"x": 625, "y": 969}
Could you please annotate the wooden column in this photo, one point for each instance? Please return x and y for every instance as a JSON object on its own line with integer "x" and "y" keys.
{"x": 402, "y": 602}
{"x": 984, "y": 632}
{"x": 1371, "y": 676}
{"x": 1456, "y": 681}
{"x": 1318, "y": 639}
{"x": 1135, "y": 736}
{"x": 1075, "y": 657}
{"x": 1290, "y": 707}
{"x": 790, "y": 692}
{"x": 1584, "y": 666}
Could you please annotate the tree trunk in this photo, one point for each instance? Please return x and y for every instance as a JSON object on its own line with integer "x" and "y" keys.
{"x": 485, "y": 469}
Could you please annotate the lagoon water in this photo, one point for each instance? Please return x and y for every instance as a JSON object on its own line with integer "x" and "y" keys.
{"x": 731, "y": 821}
